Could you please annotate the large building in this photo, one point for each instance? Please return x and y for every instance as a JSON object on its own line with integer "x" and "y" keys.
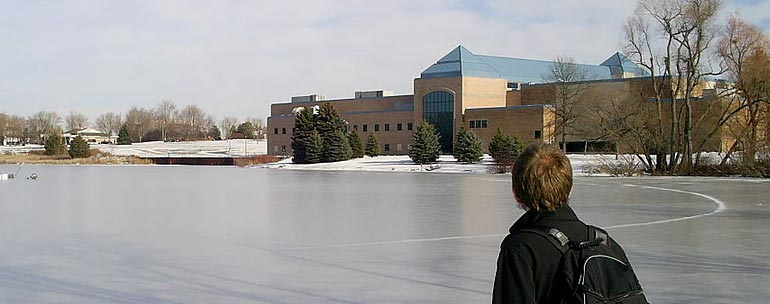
{"x": 463, "y": 89}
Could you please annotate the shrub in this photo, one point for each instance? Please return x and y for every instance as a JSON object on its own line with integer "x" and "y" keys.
{"x": 54, "y": 145}
{"x": 504, "y": 149}
{"x": 79, "y": 148}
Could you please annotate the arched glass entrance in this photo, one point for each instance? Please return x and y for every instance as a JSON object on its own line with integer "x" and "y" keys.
{"x": 438, "y": 110}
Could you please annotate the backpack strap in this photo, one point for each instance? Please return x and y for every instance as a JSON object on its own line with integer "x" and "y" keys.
{"x": 554, "y": 236}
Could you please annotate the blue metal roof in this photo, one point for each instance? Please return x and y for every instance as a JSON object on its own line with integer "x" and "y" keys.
{"x": 462, "y": 62}
{"x": 628, "y": 66}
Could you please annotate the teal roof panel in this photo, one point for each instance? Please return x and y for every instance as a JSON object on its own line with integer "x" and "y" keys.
{"x": 462, "y": 62}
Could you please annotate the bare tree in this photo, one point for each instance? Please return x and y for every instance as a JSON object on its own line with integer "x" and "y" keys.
{"x": 191, "y": 119}
{"x": 164, "y": 116}
{"x": 259, "y": 126}
{"x": 109, "y": 123}
{"x": 567, "y": 95}
{"x": 745, "y": 51}
{"x": 75, "y": 121}
{"x": 228, "y": 124}
{"x": 670, "y": 39}
{"x": 42, "y": 123}
{"x": 139, "y": 121}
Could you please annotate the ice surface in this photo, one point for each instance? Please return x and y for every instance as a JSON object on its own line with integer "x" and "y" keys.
{"x": 176, "y": 234}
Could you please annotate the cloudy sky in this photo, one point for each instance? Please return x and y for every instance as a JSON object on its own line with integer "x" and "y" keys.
{"x": 236, "y": 57}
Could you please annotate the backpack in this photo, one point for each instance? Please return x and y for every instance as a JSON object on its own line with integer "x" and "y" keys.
{"x": 592, "y": 271}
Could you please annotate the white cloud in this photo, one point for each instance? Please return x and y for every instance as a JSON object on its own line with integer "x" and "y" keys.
{"x": 237, "y": 57}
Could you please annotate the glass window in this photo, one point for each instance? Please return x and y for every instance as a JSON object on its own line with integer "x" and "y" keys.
{"x": 484, "y": 123}
{"x": 399, "y": 147}
{"x": 355, "y": 128}
{"x": 387, "y": 127}
{"x": 387, "y": 147}
{"x": 409, "y": 126}
{"x": 399, "y": 126}
{"x": 283, "y": 130}
{"x": 376, "y": 127}
{"x": 366, "y": 128}
{"x": 276, "y": 130}
{"x": 438, "y": 110}
{"x": 283, "y": 148}
{"x": 538, "y": 133}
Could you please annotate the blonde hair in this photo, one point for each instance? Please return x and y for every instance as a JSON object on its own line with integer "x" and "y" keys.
{"x": 542, "y": 178}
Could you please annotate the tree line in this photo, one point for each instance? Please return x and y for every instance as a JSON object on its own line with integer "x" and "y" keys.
{"x": 321, "y": 135}
{"x": 165, "y": 122}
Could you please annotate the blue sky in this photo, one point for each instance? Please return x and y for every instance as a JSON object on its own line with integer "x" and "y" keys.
{"x": 234, "y": 58}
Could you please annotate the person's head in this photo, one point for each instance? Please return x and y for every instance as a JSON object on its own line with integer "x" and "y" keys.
{"x": 542, "y": 178}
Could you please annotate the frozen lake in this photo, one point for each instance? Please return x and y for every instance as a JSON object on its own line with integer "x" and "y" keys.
{"x": 152, "y": 234}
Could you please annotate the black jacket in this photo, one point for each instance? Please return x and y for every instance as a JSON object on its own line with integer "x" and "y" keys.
{"x": 528, "y": 263}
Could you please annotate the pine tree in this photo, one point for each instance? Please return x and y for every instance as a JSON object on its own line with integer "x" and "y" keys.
{"x": 372, "y": 146}
{"x": 54, "y": 145}
{"x": 331, "y": 129}
{"x": 301, "y": 139}
{"x": 214, "y": 133}
{"x": 356, "y": 147}
{"x": 425, "y": 148}
{"x": 124, "y": 138}
{"x": 314, "y": 149}
{"x": 504, "y": 149}
{"x": 79, "y": 148}
{"x": 467, "y": 148}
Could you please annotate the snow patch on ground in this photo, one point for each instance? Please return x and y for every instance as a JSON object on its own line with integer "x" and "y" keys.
{"x": 214, "y": 148}
{"x": 445, "y": 164}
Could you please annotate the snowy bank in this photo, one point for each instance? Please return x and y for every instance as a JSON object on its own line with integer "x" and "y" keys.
{"x": 581, "y": 165}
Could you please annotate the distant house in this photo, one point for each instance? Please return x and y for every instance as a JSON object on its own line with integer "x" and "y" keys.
{"x": 90, "y": 136}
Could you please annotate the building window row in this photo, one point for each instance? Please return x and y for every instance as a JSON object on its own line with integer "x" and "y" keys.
{"x": 478, "y": 124}
{"x": 385, "y": 127}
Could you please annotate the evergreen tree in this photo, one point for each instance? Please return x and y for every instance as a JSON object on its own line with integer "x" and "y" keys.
{"x": 356, "y": 147}
{"x": 124, "y": 138}
{"x": 301, "y": 138}
{"x": 214, "y": 133}
{"x": 372, "y": 146}
{"x": 504, "y": 149}
{"x": 331, "y": 129}
{"x": 54, "y": 145}
{"x": 314, "y": 149}
{"x": 467, "y": 148}
{"x": 79, "y": 148}
{"x": 425, "y": 148}
{"x": 247, "y": 129}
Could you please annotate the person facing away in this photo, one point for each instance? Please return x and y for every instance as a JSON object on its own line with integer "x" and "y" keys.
{"x": 528, "y": 263}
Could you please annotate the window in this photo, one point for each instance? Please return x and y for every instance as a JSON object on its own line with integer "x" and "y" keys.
{"x": 366, "y": 128}
{"x": 409, "y": 126}
{"x": 399, "y": 147}
{"x": 283, "y": 148}
{"x": 538, "y": 133}
{"x": 355, "y": 128}
{"x": 276, "y": 131}
{"x": 293, "y": 130}
{"x": 399, "y": 126}
{"x": 438, "y": 110}
{"x": 283, "y": 130}
{"x": 478, "y": 124}
{"x": 387, "y": 127}
{"x": 387, "y": 147}
{"x": 275, "y": 149}
{"x": 376, "y": 127}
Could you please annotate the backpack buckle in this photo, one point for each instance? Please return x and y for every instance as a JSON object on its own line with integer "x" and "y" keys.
{"x": 560, "y": 236}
